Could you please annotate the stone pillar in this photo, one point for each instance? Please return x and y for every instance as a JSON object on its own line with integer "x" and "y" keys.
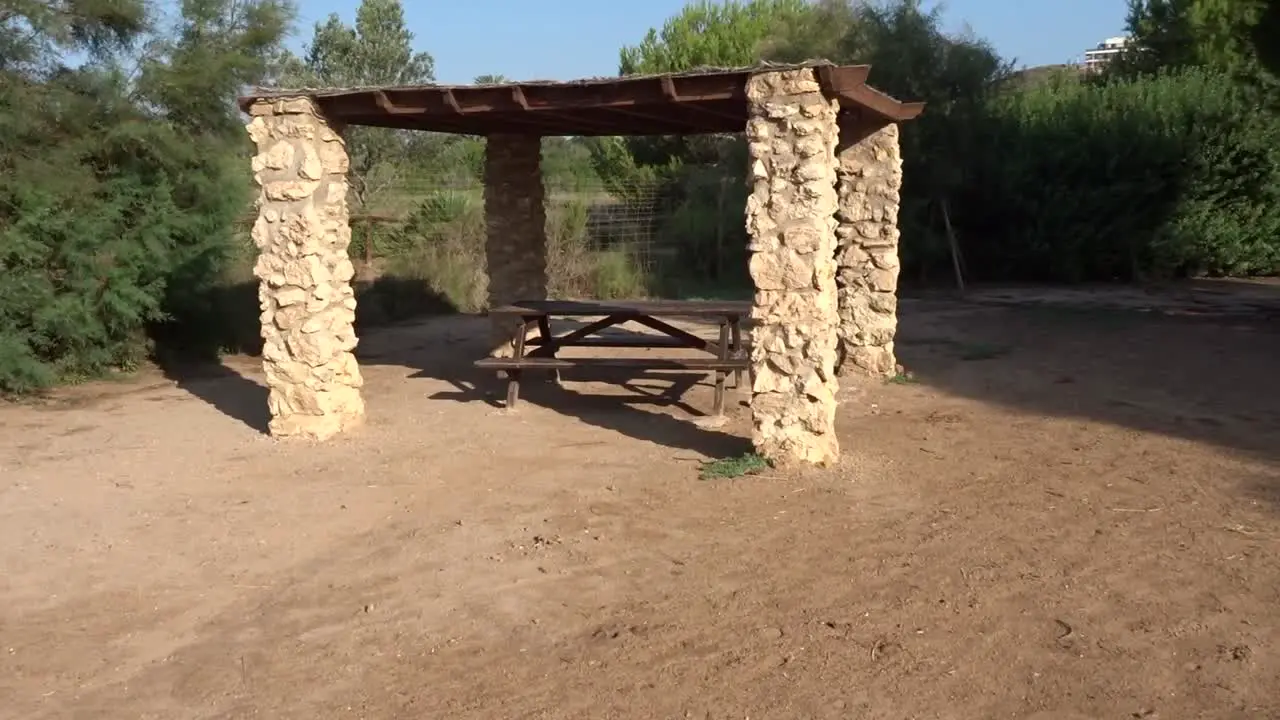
{"x": 308, "y": 306}
{"x": 792, "y": 131}
{"x": 516, "y": 225}
{"x": 870, "y": 176}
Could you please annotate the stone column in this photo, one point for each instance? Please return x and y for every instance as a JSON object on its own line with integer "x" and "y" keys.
{"x": 308, "y": 306}
{"x": 516, "y": 225}
{"x": 870, "y": 176}
{"x": 791, "y": 222}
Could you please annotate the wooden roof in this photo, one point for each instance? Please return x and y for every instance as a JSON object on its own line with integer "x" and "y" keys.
{"x": 709, "y": 101}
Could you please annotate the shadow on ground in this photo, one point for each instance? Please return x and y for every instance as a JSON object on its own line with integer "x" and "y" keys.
{"x": 639, "y": 411}
{"x": 230, "y": 324}
{"x": 1191, "y": 366}
{"x": 1194, "y": 361}
{"x": 226, "y": 390}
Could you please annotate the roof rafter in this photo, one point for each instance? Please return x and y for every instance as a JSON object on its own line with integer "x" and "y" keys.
{"x": 672, "y": 104}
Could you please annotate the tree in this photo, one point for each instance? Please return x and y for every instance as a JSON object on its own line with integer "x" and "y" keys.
{"x": 35, "y": 36}
{"x": 490, "y": 80}
{"x": 828, "y": 30}
{"x": 118, "y": 191}
{"x": 377, "y": 50}
{"x": 712, "y": 34}
{"x": 214, "y": 50}
{"x": 1221, "y": 34}
{"x": 912, "y": 58}
{"x": 736, "y": 33}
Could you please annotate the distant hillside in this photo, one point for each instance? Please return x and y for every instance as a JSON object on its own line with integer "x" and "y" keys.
{"x": 1044, "y": 73}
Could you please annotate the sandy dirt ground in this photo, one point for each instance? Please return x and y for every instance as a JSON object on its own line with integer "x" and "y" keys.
{"x": 1068, "y": 511}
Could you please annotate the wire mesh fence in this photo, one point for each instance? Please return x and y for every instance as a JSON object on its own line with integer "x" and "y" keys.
{"x": 449, "y": 209}
{"x": 604, "y": 239}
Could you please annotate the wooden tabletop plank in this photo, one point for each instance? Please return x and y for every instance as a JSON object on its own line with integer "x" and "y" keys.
{"x": 646, "y": 340}
{"x": 582, "y": 308}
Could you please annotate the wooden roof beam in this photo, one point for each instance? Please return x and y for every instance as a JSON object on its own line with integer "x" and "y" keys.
{"x": 559, "y": 119}
{"x": 656, "y": 105}
{"x": 673, "y": 95}
{"x": 849, "y": 84}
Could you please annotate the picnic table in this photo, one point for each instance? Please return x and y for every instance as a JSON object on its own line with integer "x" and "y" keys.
{"x": 539, "y": 352}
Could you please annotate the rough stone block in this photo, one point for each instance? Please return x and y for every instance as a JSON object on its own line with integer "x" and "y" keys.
{"x": 515, "y": 220}
{"x": 305, "y": 292}
{"x": 869, "y": 171}
{"x": 792, "y": 133}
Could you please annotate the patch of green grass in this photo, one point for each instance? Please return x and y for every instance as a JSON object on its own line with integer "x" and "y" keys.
{"x": 733, "y": 467}
{"x": 902, "y": 378}
{"x": 616, "y": 275}
{"x": 982, "y": 351}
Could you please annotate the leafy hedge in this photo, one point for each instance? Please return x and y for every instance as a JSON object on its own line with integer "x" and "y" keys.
{"x": 1063, "y": 181}
{"x": 1174, "y": 174}
{"x": 110, "y": 226}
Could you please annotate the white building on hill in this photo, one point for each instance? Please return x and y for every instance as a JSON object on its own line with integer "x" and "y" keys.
{"x": 1105, "y": 52}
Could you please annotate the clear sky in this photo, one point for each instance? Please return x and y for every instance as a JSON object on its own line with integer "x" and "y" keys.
{"x": 567, "y": 39}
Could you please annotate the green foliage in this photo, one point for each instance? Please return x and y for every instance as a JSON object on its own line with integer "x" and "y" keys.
{"x": 1058, "y": 180}
{"x": 706, "y": 222}
{"x": 121, "y": 190}
{"x": 733, "y": 467}
{"x": 1265, "y": 37}
{"x": 440, "y": 247}
{"x": 113, "y": 222}
{"x": 1162, "y": 35}
{"x": 119, "y": 193}
{"x": 214, "y": 49}
{"x": 912, "y": 58}
{"x": 1229, "y": 35}
{"x": 376, "y": 50}
{"x": 711, "y": 34}
{"x": 737, "y": 33}
{"x": 567, "y": 165}
{"x": 1173, "y": 174}
{"x": 613, "y": 161}
{"x": 35, "y": 33}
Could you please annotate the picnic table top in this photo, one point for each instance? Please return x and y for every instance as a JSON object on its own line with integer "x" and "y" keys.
{"x": 689, "y": 308}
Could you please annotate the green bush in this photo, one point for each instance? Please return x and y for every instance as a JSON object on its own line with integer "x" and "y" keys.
{"x": 109, "y": 225}
{"x": 707, "y": 224}
{"x": 1177, "y": 174}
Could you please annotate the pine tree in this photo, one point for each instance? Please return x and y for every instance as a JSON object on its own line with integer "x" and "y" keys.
{"x": 376, "y": 50}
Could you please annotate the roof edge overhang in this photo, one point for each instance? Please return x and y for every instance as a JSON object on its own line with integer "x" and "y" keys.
{"x": 702, "y": 101}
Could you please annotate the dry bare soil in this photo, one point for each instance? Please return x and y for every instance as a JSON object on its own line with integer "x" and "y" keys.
{"x": 1069, "y": 511}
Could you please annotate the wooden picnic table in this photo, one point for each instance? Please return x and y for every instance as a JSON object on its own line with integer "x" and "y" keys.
{"x": 724, "y": 355}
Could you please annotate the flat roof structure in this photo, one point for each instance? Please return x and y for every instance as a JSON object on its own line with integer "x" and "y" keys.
{"x": 823, "y": 172}
{"x": 697, "y": 102}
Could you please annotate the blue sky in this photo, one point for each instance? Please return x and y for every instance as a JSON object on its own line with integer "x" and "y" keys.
{"x": 567, "y": 39}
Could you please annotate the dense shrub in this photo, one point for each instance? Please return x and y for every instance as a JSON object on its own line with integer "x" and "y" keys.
{"x": 1156, "y": 176}
{"x": 1060, "y": 179}
{"x": 109, "y": 224}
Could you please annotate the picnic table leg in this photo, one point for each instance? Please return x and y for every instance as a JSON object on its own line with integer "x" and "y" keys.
{"x": 544, "y": 330}
{"x": 737, "y": 350}
{"x": 721, "y": 374}
{"x": 513, "y": 376}
{"x": 513, "y": 388}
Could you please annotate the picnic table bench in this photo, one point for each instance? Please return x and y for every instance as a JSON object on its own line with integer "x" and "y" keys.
{"x": 724, "y": 355}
